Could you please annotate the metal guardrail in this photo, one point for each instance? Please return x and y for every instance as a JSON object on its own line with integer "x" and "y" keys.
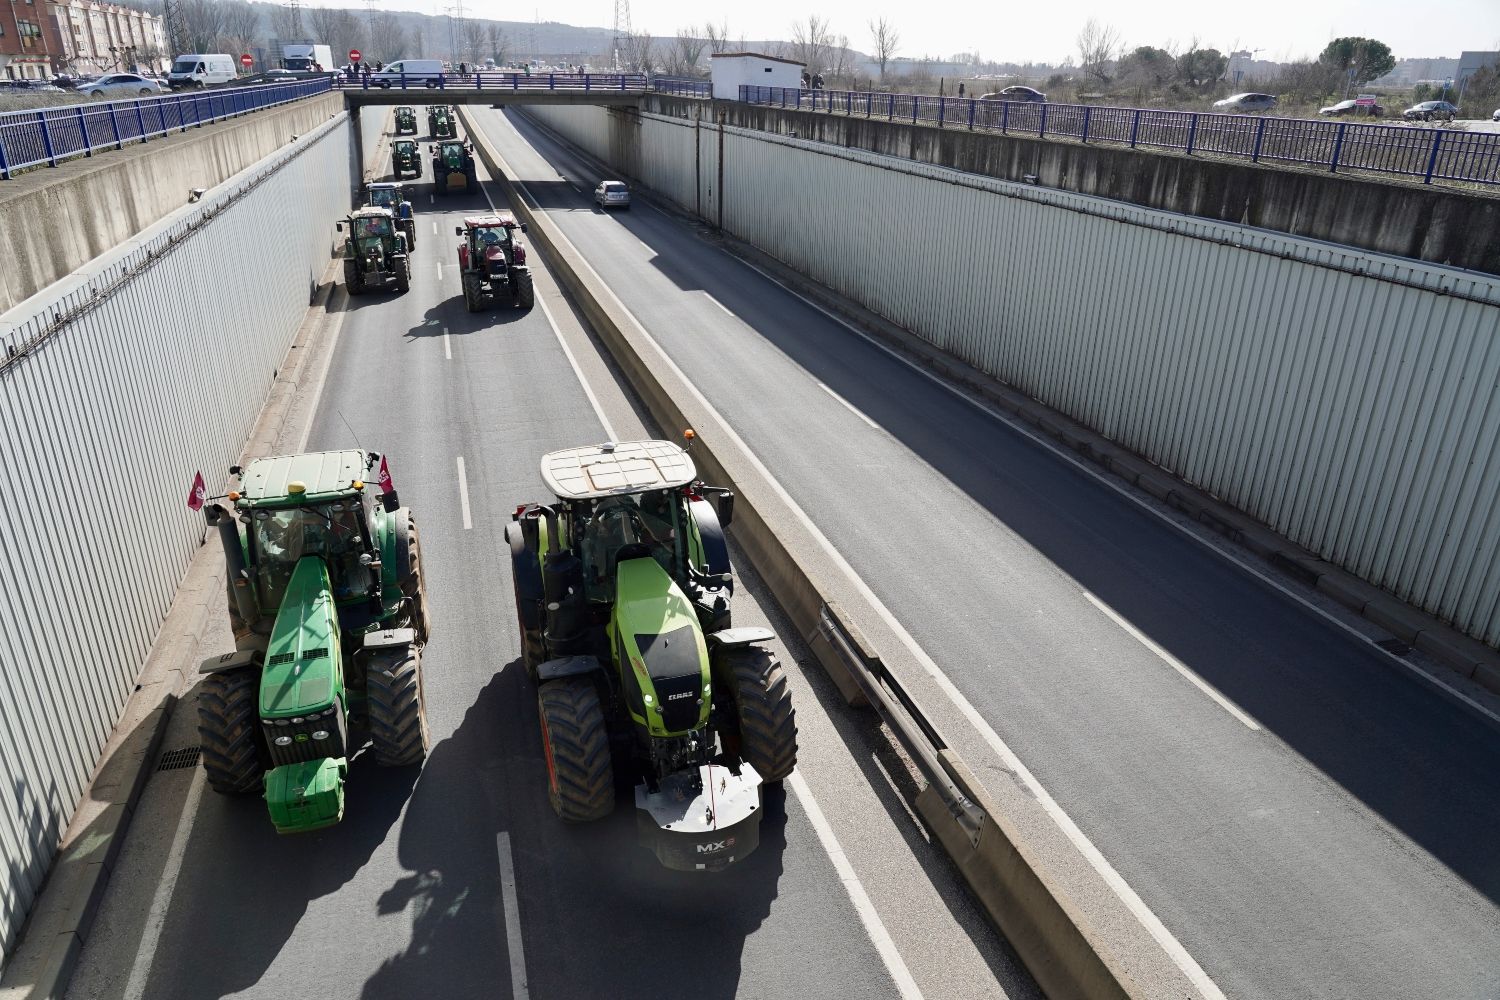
{"x": 1428, "y": 153}
{"x": 682, "y": 86}
{"x": 51, "y": 135}
{"x": 582, "y": 82}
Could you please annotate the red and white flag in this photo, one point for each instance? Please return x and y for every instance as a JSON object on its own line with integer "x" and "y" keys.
{"x": 198, "y": 493}
{"x": 386, "y": 486}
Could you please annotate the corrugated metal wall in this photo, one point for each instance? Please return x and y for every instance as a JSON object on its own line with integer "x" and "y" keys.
{"x": 118, "y": 384}
{"x": 1345, "y": 398}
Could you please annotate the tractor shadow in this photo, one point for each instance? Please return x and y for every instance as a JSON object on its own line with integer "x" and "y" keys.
{"x": 451, "y": 315}
{"x": 594, "y": 906}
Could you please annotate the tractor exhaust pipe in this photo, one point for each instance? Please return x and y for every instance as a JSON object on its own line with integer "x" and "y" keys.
{"x": 234, "y": 563}
{"x": 562, "y": 589}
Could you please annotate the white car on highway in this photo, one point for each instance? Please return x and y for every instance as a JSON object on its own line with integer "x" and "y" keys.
{"x": 612, "y": 194}
{"x": 122, "y": 85}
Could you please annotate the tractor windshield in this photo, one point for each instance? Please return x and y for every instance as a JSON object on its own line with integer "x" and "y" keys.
{"x": 374, "y": 226}
{"x": 383, "y": 197}
{"x": 492, "y": 236}
{"x": 649, "y": 519}
{"x": 279, "y": 538}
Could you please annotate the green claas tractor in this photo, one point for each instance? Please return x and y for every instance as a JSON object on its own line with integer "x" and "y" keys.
{"x": 375, "y": 253}
{"x": 453, "y": 167}
{"x": 622, "y": 592}
{"x": 394, "y": 196}
{"x": 406, "y": 121}
{"x": 406, "y": 158}
{"x": 492, "y": 262}
{"x": 440, "y": 123}
{"x": 330, "y": 616}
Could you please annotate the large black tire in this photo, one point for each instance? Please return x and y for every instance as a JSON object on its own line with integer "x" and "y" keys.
{"x": 410, "y": 229}
{"x": 526, "y": 581}
{"x": 473, "y": 297}
{"x": 351, "y": 277}
{"x": 234, "y": 755}
{"x": 403, "y": 276}
{"x": 414, "y": 584}
{"x": 580, "y": 774}
{"x": 398, "y": 717}
{"x": 525, "y": 292}
{"x": 763, "y": 703}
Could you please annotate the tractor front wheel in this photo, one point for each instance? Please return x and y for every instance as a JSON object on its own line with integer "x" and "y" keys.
{"x": 472, "y": 294}
{"x": 351, "y": 277}
{"x": 234, "y": 758}
{"x": 763, "y": 702}
{"x": 525, "y": 292}
{"x": 414, "y": 584}
{"x": 398, "y": 716}
{"x": 580, "y": 773}
{"x": 403, "y": 276}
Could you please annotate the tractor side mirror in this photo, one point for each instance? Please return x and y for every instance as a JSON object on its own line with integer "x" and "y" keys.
{"x": 389, "y": 501}
{"x": 523, "y": 227}
{"x": 339, "y": 226}
{"x": 726, "y": 508}
{"x": 458, "y": 230}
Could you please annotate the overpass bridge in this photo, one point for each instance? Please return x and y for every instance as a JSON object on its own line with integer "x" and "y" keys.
{"x": 497, "y": 89}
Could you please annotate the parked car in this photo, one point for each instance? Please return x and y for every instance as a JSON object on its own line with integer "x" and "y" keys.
{"x": 30, "y": 86}
{"x": 1244, "y": 104}
{"x": 1020, "y": 94}
{"x": 121, "y": 85}
{"x": 612, "y": 194}
{"x": 1429, "y": 110}
{"x": 1496, "y": 116}
{"x": 1352, "y": 108}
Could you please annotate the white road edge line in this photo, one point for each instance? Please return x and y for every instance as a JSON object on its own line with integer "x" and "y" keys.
{"x": 447, "y": 345}
{"x": 463, "y": 493}
{"x": 519, "y": 988}
{"x": 1105, "y": 479}
{"x": 848, "y": 405}
{"x": 1138, "y": 908}
{"x": 874, "y": 927}
{"x": 646, "y": 245}
{"x": 1174, "y": 663}
{"x": 588, "y": 390}
{"x": 718, "y": 303}
{"x": 156, "y": 917}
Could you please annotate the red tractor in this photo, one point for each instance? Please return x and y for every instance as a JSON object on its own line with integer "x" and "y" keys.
{"x": 492, "y": 262}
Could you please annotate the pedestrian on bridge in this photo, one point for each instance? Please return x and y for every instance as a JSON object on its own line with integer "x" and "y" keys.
{"x": 463, "y": 69}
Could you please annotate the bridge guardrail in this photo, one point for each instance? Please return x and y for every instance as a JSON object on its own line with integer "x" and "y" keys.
{"x": 51, "y": 135}
{"x": 585, "y": 82}
{"x": 1407, "y": 151}
{"x": 682, "y": 86}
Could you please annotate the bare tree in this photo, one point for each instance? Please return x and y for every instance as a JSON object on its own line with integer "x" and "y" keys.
{"x": 495, "y": 42}
{"x": 811, "y": 42}
{"x": 202, "y": 23}
{"x": 387, "y": 38}
{"x": 418, "y": 43}
{"x": 638, "y": 52}
{"x": 1098, "y": 44}
{"x": 473, "y": 42}
{"x": 841, "y": 61}
{"x": 683, "y": 52}
{"x": 717, "y": 35}
{"x": 886, "y": 38}
{"x": 286, "y": 23}
{"x": 334, "y": 27}
{"x": 241, "y": 26}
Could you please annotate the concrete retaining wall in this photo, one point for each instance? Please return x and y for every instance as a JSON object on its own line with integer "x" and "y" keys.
{"x": 54, "y": 221}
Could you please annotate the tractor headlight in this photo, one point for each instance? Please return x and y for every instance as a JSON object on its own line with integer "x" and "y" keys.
{"x": 283, "y": 741}
{"x": 282, "y": 722}
{"x": 320, "y": 734}
{"x": 297, "y": 720}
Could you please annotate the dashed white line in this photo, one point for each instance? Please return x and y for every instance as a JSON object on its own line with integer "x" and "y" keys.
{"x": 156, "y": 917}
{"x": 721, "y": 305}
{"x": 431, "y": 199}
{"x": 434, "y": 229}
{"x": 519, "y": 989}
{"x": 463, "y": 493}
{"x": 868, "y": 916}
{"x": 447, "y": 346}
{"x": 1174, "y": 663}
{"x": 849, "y": 406}
{"x": 440, "y": 270}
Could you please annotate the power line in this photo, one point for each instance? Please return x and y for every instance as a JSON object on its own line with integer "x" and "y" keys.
{"x": 622, "y": 29}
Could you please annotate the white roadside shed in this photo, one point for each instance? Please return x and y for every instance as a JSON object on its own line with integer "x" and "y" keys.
{"x": 732, "y": 70}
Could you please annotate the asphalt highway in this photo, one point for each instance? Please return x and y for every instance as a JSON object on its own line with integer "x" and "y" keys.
{"x": 1304, "y": 815}
{"x": 456, "y": 880}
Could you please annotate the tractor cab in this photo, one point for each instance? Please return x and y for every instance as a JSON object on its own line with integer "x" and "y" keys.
{"x": 453, "y": 166}
{"x": 388, "y": 194}
{"x": 406, "y": 158}
{"x": 376, "y": 249}
{"x": 406, "y": 120}
{"x": 440, "y": 123}
{"x": 492, "y": 262}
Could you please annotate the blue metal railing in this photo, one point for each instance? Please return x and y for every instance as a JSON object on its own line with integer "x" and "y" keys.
{"x": 682, "y": 86}
{"x": 1428, "y": 153}
{"x": 51, "y": 135}
{"x": 586, "y": 82}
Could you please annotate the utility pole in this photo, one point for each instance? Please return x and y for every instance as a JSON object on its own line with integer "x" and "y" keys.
{"x": 296, "y": 24}
{"x": 622, "y": 30}
{"x": 174, "y": 27}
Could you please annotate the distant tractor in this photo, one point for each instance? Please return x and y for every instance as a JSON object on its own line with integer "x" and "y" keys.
{"x": 623, "y": 589}
{"x": 406, "y": 158}
{"x": 394, "y": 196}
{"x": 406, "y": 120}
{"x": 329, "y": 612}
{"x": 440, "y": 124}
{"x": 492, "y": 262}
{"x": 375, "y": 252}
{"x": 453, "y": 167}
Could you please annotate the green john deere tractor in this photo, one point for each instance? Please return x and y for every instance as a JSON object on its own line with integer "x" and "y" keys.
{"x": 406, "y": 120}
{"x": 406, "y": 158}
{"x": 375, "y": 251}
{"x": 622, "y": 591}
{"x": 330, "y": 616}
{"x": 440, "y": 123}
{"x": 453, "y": 167}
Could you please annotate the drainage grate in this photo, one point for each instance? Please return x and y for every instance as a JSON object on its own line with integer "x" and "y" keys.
{"x": 174, "y": 760}
{"x": 1394, "y": 646}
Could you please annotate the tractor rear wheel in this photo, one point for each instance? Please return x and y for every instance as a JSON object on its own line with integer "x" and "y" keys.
{"x": 763, "y": 701}
{"x": 525, "y": 292}
{"x": 403, "y": 276}
{"x": 472, "y": 294}
{"x": 580, "y": 773}
{"x": 398, "y": 716}
{"x": 414, "y": 585}
{"x": 234, "y": 758}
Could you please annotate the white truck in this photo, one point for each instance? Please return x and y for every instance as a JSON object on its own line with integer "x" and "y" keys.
{"x": 307, "y": 58}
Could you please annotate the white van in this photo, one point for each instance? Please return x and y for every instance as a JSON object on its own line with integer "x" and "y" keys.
{"x": 417, "y": 72}
{"x": 199, "y": 70}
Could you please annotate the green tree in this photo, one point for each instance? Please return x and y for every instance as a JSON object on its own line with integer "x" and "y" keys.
{"x": 1148, "y": 66}
{"x": 1201, "y": 68}
{"x": 1360, "y": 59}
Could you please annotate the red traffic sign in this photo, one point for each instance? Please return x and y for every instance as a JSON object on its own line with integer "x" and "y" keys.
{"x": 354, "y": 55}
{"x": 247, "y": 61}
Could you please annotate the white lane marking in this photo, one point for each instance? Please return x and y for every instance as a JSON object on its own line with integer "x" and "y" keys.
{"x": 718, "y": 303}
{"x": 463, "y": 493}
{"x": 1138, "y": 908}
{"x": 434, "y": 229}
{"x": 588, "y": 390}
{"x": 874, "y": 927}
{"x": 577, "y": 187}
{"x": 519, "y": 990}
{"x": 156, "y": 917}
{"x": 849, "y": 406}
{"x": 1174, "y": 663}
{"x": 1109, "y": 481}
{"x": 447, "y": 346}
{"x": 646, "y": 245}
{"x": 440, "y": 270}
{"x": 431, "y": 199}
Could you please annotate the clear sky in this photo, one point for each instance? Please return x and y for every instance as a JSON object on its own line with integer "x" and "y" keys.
{"x": 1281, "y": 29}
